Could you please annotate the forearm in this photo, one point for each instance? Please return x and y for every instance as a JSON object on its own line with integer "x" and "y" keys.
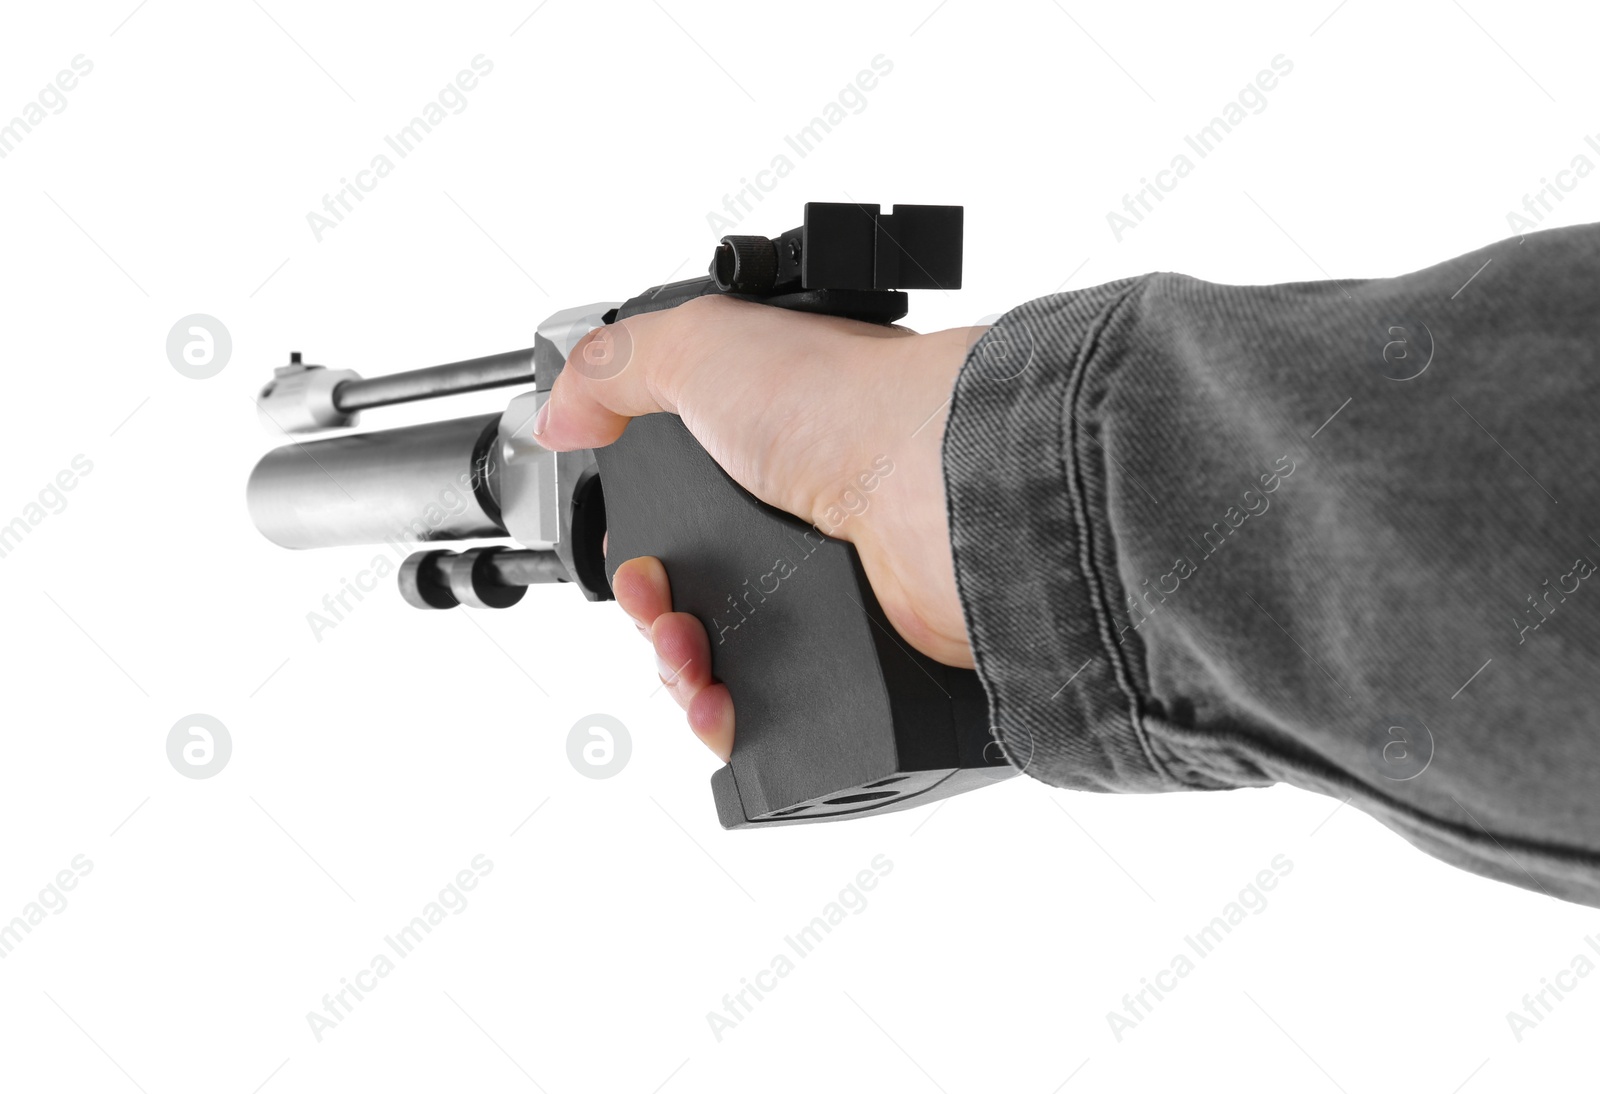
{"x": 1205, "y": 537}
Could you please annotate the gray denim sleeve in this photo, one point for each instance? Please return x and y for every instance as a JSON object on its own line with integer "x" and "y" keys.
{"x": 1341, "y": 535}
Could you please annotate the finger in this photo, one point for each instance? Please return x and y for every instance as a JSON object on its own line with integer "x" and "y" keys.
{"x": 611, "y": 375}
{"x": 642, "y": 590}
{"x": 683, "y": 655}
{"x": 711, "y": 718}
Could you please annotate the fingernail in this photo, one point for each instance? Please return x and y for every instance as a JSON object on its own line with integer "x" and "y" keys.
{"x": 541, "y": 419}
{"x": 668, "y": 674}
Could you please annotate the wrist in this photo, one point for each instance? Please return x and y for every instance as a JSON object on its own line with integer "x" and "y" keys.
{"x": 902, "y": 532}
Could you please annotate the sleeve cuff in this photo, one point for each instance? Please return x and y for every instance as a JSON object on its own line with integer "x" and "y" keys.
{"x": 1025, "y": 491}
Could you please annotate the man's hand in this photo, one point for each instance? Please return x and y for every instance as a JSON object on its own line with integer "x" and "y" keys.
{"x": 796, "y": 408}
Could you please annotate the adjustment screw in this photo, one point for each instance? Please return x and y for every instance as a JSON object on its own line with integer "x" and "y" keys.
{"x": 745, "y": 264}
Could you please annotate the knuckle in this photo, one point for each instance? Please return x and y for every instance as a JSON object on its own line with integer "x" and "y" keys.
{"x": 602, "y": 353}
{"x": 707, "y": 303}
{"x": 711, "y": 305}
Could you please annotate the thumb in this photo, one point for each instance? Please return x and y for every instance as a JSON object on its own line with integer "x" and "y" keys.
{"x": 612, "y": 374}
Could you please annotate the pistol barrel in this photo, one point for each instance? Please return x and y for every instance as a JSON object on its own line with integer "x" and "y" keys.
{"x": 436, "y": 481}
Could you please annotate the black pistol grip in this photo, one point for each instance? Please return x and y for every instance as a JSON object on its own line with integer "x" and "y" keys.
{"x": 835, "y": 715}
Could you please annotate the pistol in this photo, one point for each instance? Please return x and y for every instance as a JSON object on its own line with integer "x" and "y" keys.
{"x": 836, "y": 716}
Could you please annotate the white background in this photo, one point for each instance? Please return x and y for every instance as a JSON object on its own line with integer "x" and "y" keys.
{"x": 369, "y": 767}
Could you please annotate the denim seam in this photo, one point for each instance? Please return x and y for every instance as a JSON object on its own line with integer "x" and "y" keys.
{"x": 1073, "y": 471}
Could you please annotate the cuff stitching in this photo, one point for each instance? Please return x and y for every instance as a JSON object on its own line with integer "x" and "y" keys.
{"x": 1072, "y": 471}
